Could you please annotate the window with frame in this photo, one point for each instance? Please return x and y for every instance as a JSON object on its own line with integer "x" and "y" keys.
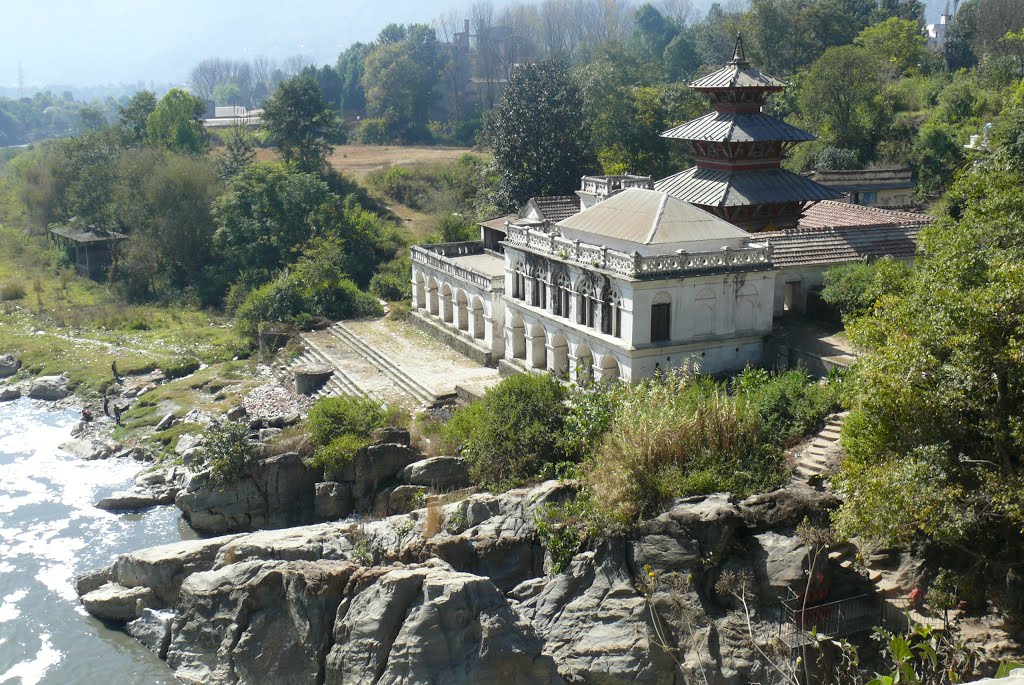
{"x": 661, "y": 329}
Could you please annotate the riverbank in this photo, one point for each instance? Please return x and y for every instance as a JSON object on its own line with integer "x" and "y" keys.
{"x": 50, "y": 531}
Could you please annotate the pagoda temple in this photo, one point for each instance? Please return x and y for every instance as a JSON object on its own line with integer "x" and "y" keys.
{"x": 738, "y": 151}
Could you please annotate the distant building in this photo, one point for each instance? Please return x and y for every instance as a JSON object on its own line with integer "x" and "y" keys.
{"x": 94, "y": 249}
{"x": 892, "y": 187}
{"x": 231, "y": 115}
{"x": 936, "y": 33}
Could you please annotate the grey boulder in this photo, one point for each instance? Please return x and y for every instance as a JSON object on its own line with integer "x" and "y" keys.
{"x": 441, "y": 473}
{"x": 9, "y": 365}
{"x": 49, "y": 388}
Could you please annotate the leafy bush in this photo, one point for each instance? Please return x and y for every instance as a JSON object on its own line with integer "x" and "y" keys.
{"x": 341, "y": 426}
{"x": 508, "y": 435}
{"x": 226, "y": 451}
{"x": 854, "y": 288}
{"x": 788, "y": 404}
{"x": 837, "y": 159}
{"x": 303, "y": 294}
{"x": 677, "y": 436}
{"x": 590, "y": 410}
{"x": 12, "y": 290}
{"x": 180, "y": 368}
{"x": 393, "y": 282}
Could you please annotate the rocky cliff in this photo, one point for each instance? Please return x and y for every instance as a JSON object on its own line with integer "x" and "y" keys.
{"x": 391, "y": 601}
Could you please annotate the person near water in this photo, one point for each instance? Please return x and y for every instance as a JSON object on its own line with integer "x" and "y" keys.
{"x": 106, "y": 405}
{"x": 117, "y": 414}
{"x": 113, "y": 367}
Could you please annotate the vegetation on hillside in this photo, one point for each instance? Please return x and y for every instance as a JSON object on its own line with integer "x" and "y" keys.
{"x": 934, "y": 443}
{"x": 637, "y": 447}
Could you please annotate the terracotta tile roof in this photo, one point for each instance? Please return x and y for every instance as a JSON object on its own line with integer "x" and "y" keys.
{"x": 557, "y": 207}
{"x": 837, "y": 233}
{"x": 841, "y": 214}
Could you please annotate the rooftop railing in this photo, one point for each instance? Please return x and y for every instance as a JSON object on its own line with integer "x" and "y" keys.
{"x": 440, "y": 257}
{"x": 754, "y": 256}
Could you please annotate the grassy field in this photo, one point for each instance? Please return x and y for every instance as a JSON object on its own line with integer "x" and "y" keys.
{"x": 357, "y": 161}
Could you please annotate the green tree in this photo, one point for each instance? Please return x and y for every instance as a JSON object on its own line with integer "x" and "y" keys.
{"x": 176, "y": 123}
{"x": 350, "y": 72}
{"x": 267, "y": 213}
{"x": 934, "y": 444}
{"x": 840, "y": 96}
{"x": 225, "y": 94}
{"x": 897, "y": 42}
{"x": 132, "y": 117}
{"x": 298, "y": 123}
{"x": 399, "y": 80}
{"x": 239, "y": 152}
{"x": 539, "y": 133}
{"x": 92, "y": 118}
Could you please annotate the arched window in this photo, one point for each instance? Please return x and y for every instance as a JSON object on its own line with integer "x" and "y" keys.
{"x": 519, "y": 282}
{"x": 539, "y": 295}
{"x": 611, "y": 314}
{"x": 560, "y": 297}
{"x": 587, "y": 302}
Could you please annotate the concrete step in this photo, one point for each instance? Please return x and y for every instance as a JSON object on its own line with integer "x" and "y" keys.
{"x": 340, "y": 382}
{"x": 829, "y": 434}
{"x": 388, "y": 367}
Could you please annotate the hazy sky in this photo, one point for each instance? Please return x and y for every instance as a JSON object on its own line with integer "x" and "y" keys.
{"x": 90, "y": 42}
{"x": 85, "y": 42}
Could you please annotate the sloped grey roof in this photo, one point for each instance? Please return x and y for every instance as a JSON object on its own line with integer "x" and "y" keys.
{"x": 650, "y": 217}
{"x": 738, "y": 75}
{"x": 91, "y": 235}
{"x": 736, "y": 127}
{"x": 714, "y": 188}
{"x": 498, "y": 222}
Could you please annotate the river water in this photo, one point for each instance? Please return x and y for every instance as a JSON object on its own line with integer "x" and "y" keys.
{"x": 49, "y": 532}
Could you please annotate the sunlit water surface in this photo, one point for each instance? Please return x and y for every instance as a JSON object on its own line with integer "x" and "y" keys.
{"x": 49, "y": 532}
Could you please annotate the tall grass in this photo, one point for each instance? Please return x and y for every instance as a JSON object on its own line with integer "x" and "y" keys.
{"x": 677, "y": 436}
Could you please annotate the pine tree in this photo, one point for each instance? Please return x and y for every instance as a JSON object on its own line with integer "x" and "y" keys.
{"x": 239, "y": 153}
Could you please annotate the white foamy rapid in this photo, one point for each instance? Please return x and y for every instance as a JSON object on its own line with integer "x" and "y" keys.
{"x": 49, "y": 532}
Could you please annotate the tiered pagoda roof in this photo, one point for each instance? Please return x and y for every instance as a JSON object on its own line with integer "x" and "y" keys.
{"x": 739, "y": 150}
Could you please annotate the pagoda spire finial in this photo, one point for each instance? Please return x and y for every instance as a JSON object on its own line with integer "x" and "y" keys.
{"x": 737, "y": 56}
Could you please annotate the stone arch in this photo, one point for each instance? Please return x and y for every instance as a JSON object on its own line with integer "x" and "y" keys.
{"x": 432, "y": 296}
{"x": 607, "y": 368}
{"x": 584, "y": 364}
{"x": 559, "y": 355}
{"x": 538, "y": 349}
{"x": 462, "y": 307}
{"x": 447, "y": 304}
{"x": 518, "y": 335}
{"x": 746, "y": 308}
{"x": 705, "y": 312}
{"x": 420, "y": 291}
{"x": 476, "y": 311}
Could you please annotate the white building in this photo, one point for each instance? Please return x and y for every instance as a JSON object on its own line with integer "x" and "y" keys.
{"x": 634, "y": 283}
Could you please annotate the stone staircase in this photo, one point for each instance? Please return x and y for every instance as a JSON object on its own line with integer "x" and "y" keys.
{"x": 338, "y": 384}
{"x": 409, "y": 385}
{"x": 814, "y": 460}
{"x": 321, "y": 351}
